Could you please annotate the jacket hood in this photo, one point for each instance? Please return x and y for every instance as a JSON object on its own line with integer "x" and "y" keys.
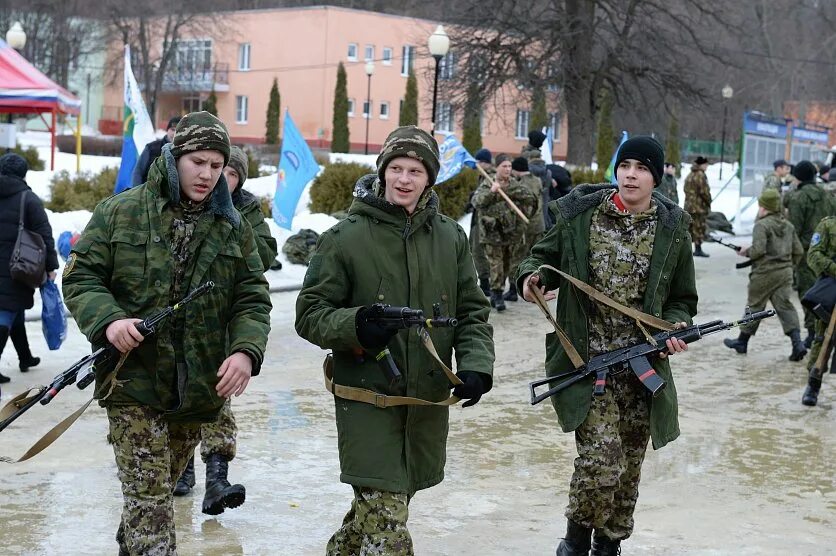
{"x": 585, "y": 196}
{"x": 11, "y": 186}
{"x": 365, "y": 193}
{"x": 242, "y": 198}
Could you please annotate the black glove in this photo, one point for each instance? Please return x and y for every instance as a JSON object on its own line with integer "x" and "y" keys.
{"x": 475, "y": 384}
{"x": 371, "y": 334}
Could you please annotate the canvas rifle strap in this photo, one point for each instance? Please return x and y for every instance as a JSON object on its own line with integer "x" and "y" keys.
{"x": 20, "y": 400}
{"x": 383, "y": 400}
{"x": 827, "y": 343}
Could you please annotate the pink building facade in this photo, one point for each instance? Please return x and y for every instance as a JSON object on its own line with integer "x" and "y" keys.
{"x": 301, "y": 48}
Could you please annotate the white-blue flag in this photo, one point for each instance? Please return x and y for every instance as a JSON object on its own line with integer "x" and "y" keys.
{"x": 137, "y": 129}
{"x": 297, "y": 166}
{"x": 548, "y": 146}
{"x": 453, "y": 157}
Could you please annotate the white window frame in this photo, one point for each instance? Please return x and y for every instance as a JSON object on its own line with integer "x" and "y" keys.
{"x": 351, "y": 108}
{"x": 447, "y": 66}
{"x": 383, "y": 105}
{"x": 242, "y": 109}
{"x": 349, "y": 57}
{"x": 445, "y": 117}
{"x": 244, "y": 56}
{"x": 408, "y": 54}
{"x": 368, "y": 53}
{"x": 555, "y": 120}
{"x": 387, "y": 60}
{"x": 521, "y": 124}
{"x": 368, "y": 107}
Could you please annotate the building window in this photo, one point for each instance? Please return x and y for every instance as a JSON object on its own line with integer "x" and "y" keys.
{"x": 522, "y": 124}
{"x": 369, "y": 53}
{"x": 367, "y": 108}
{"x": 387, "y": 56}
{"x": 241, "y": 103}
{"x": 192, "y": 60}
{"x": 551, "y": 78}
{"x": 351, "y": 107}
{"x": 408, "y": 53}
{"x": 444, "y": 117}
{"x": 384, "y": 110}
{"x": 244, "y": 56}
{"x": 447, "y": 66}
{"x": 554, "y": 123}
{"x": 192, "y": 104}
{"x": 352, "y": 52}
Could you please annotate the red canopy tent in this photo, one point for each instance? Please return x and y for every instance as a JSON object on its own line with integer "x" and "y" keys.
{"x": 25, "y": 90}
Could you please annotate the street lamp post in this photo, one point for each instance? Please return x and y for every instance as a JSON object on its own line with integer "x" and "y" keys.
{"x": 369, "y": 72}
{"x": 728, "y": 93}
{"x": 16, "y": 38}
{"x": 439, "y": 45}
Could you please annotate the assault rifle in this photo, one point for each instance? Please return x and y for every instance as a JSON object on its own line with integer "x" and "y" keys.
{"x": 102, "y": 360}
{"x": 737, "y": 248}
{"x": 399, "y": 318}
{"x": 637, "y": 359}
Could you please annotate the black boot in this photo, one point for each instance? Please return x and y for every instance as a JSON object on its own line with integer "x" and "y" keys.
{"x": 602, "y": 546}
{"x": 798, "y": 348}
{"x": 512, "y": 293}
{"x": 577, "y": 542}
{"x": 811, "y": 335}
{"x": 811, "y": 393}
{"x": 698, "y": 252}
{"x": 21, "y": 343}
{"x": 740, "y": 345}
{"x": 186, "y": 480}
{"x": 219, "y": 493}
{"x": 4, "y": 335}
{"x": 485, "y": 286}
{"x": 497, "y": 301}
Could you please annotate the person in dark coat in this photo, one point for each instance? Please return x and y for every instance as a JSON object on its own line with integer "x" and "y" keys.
{"x": 15, "y": 297}
{"x": 150, "y": 153}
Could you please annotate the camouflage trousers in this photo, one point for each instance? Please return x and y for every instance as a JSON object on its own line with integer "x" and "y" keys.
{"x": 523, "y": 248}
{"x": 775, "y": 287}
{"x": 218, "y": 437}
{"x": 804, "y": 280}
{"x": 697, "y": 227}
{"x": 477, "y": 249}
{"x": 501, "y": 259}
{"x": 151, "y": 453}
{"x": 611, "y": 444}
{"x": 375, "y": 525}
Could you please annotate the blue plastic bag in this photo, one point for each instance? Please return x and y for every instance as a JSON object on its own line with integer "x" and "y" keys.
{"x": 64, "y": 244}
{"x": 53, "y": 315}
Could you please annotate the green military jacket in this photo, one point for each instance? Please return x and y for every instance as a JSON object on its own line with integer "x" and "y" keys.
{"x": 697, "y": 192}
{"x": 250, "y": 208}
{"x": 122, "y": 267}
{"x": 378, "y": 254}
{"x": 536, "y": 225}
{"x": 530, "y": 152}
{"x": 821, "y": 256}
{"x": 772, "y": 181}
{"x": 498, "y": 223}
{"x": 775, "y": 246}
{"x": 808, "y": 204}
{"x": 671, "y": 294}
{"x": 668, "y": 188}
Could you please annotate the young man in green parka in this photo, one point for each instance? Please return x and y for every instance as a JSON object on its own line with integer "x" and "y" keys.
{"x": 632, "y": 244}
{"x": 394, "y": 248}
{"x": 144, "y": 250}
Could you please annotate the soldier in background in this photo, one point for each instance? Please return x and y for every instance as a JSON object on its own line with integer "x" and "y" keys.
{"x": 775, "y": 180}
{"x": 535, "y": 228}
{"x": 668, "y": 185}
{"x": 774, "y": 252}
{"x": 531, "y": 150}
{"x": 484, "y": 159}
{"x": 698, "y": 203}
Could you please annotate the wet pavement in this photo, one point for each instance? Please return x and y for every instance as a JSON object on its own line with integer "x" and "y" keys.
{"x": 752, "y": 472}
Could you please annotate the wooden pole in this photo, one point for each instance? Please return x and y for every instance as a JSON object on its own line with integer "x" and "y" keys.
{"x": 504, "y": 195}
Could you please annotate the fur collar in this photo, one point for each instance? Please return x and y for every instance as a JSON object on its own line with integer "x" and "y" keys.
{"x": 586, "y": 196}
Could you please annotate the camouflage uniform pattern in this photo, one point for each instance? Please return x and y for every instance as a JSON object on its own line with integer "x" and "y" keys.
{"x": 151, "y": 453}
{"x": 530, "y": 152}
{"x": 697, "y": 202}
{"x": 612, "y": 440}
{"x": 218, "y": 437}
{"x": 536, "y": 226}
{"x": 300, "y": 247}
{"x": 413, "y": 142}
{"x": 822, "y": 260}
{"x": 772, "y": 181}
{"x": 477, "y": 248}
{"x": 668, "y": 188}
{"x": 374, "y": 526}
{"x": 200, "y": 131}
{"x": 250, "y": 208}
{"x": 775, "y": 250}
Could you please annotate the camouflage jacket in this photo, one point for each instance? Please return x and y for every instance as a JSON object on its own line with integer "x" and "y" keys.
{"x": 498, "y": 223}
{"x": 668, "y": 188}
{"x": 530, "y": 152}
{"x": 670, "y": 293}
{"x": 775, "y": 245}
{"x": 821, "y": 257}
{"x": 121, "y": 267}
{"x": 379, "y": 254}
{"x": 772, "y": 181}
{"x": 250, "y": 208}
{"x": 808, "y": 204}
{"x": 697, "y": 192}
{"x": 536, "y": 225}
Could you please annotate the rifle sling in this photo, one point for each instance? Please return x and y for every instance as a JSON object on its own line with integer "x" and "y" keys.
{"x": 383, "y": 400}
{"x": 828, "y": 339}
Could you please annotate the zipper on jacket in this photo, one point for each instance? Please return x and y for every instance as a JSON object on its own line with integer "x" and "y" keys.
{"x": 408, "y": 227}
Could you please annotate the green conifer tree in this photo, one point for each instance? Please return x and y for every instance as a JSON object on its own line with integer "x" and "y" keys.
{"x": 539, "y": 113}
{"x": 339, "y": 135}
{"x": 472, "y": 132}
{"x": 409, "y": 111}
{"x": 673, "y": 150}
{"x": 211, "y": 103}
{"x": 274, "y": 107}
{"x": 605, "y": 146}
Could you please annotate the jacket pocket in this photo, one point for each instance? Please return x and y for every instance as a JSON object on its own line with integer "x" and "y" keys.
{"x": 225, "y": 266}
{"x": 129, "y": 248}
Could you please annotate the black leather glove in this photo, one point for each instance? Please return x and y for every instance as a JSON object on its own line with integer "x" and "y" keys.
{"x": 475, "y": 385}
{"x": 372, "y": 335}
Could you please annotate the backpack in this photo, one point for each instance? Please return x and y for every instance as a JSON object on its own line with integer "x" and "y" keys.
{"x": 300, "y": 247}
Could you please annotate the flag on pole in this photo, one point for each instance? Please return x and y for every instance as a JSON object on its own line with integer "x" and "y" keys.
{"x": 548, "y": 146}
{"x": 609, "y": 175}
{"x": 453, "y": 157}
{"x": 297, "y": 167}
{"x": 137, "y": 129}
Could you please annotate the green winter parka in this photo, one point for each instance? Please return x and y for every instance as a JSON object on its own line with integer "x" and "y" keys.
{"x": 380, "y": 255}
{"x": 122, "y": 267}
{"x": 250, "y": 208}
{"x": 671, "y": 294}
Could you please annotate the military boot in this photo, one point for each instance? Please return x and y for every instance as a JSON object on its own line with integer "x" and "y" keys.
{"x": 485, "y": 286}
{"x": 740, "y": 345}
{"x": 698, "y": 252}
{"x": 811, "y": 335}
{"x": 577, "y": 542}
{"x": 219, "y": 493}
{"x": 186, "y": 481}
{"x": 811, "y": 393}
{"x": 512, "y": 293}
{"x": 602, "y": 546}
{"x": 4, "y": 335}
{"x": 497, "y": 300}
{"x": 798, "y": 348}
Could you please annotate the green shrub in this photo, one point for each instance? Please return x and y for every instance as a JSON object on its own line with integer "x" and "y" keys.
{"x": 454, "y": 193}
{"x": 82, "y": 191}
{"x": 252, "y": 165}
{"x": 322, "y": 159}
{"x": 588, "y": 175}
{"x": 100, "y": 146}
{"x": 31, "y": 155}
{"x": 332, "y": 190}
{"x": 266, "y": 206}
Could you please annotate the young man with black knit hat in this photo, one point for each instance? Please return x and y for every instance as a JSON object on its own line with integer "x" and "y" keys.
{"x": 143, "y": 250}
{"x": 531, "y": 150}
{"x": 632, "y": 244}
{"x": 394, "y": 248}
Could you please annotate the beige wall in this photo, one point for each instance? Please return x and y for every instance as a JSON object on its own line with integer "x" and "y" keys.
{"x": 301, "y": 47}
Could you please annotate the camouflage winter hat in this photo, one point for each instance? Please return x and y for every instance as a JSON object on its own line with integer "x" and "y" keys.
{"x": 770, "y": 199}
{"x": 412, "y": 142}
{"x": 239, "y": 162}
{"x": 200, "y": 131}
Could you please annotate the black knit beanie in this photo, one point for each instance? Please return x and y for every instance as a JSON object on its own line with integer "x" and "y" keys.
{"x": 12, "y": 164}
{"x": 520, "y": 164}
{"x": 646, "y": 150}
{"x": 805, "y": 172}
{"x": 536, "y": 138}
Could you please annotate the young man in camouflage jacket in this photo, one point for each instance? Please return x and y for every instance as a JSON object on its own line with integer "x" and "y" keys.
{"x": 698, "y": 203}
{"x": 143, "y": 250}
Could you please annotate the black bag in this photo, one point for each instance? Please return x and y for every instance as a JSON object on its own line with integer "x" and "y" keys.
{"x": 28, "y": 262}
{"x": 823, "y": 293}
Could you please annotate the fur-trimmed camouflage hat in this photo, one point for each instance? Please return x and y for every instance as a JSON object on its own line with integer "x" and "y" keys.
{"x": 200, "y": 131}
{"x": 239, "y": 162}
{"x": 412, "y": 142}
